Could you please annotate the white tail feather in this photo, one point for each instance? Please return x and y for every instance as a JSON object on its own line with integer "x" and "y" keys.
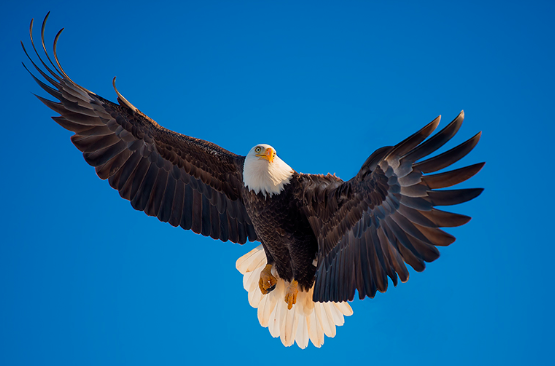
{"x": 306, "y": 321}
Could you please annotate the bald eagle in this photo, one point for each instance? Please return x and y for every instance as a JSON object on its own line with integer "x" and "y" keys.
{"x": 321, "y": 238}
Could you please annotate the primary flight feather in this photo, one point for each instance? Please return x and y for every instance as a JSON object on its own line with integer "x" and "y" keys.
{"x": 322, "y": 239}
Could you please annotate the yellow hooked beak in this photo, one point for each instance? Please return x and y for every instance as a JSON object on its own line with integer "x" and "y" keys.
{"x": 268, "y": 154}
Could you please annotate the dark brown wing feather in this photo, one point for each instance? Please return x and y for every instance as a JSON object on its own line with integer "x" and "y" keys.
{"x": 370, "y": 226}
{"x": 185, "y": 181}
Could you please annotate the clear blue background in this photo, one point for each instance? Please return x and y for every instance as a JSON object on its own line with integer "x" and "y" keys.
{"x": 86, "y": 280}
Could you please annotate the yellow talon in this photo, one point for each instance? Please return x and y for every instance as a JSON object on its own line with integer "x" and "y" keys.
{"x": 267, "y": 282}
{"x": 291, "y": 294}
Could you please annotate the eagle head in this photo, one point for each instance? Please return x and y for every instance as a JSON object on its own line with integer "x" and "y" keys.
{"x": 264, "y": 172}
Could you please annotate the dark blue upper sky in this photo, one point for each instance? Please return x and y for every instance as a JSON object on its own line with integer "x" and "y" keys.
{"x": 86, "y": 280}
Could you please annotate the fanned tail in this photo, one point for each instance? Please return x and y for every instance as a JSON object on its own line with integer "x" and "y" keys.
{"x": 306, "y": 321}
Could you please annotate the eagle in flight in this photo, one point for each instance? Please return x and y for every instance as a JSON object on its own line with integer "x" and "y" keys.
{"x": 321, "y": 238}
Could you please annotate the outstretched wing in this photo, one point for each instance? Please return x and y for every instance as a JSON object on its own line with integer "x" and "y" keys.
{"x": 368, "y": 227}
{"x": 182, "y": 180}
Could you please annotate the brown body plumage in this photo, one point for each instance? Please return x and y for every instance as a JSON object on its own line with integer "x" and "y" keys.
{"x": 284, "y": 231}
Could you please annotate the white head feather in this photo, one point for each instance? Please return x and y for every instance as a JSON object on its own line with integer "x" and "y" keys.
{"x": 261, "y": 175}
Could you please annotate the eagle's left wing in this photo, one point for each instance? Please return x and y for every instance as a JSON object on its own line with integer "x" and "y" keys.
{"x": 369, "y": 226}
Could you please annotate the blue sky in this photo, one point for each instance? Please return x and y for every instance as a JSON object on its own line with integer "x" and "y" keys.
{"x": 85, "y": 279}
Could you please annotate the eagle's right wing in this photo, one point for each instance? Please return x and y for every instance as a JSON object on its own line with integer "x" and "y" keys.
{"x": 182, "y": 180}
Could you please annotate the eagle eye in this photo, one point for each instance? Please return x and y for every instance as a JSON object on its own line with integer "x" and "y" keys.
{"x": 257, "y": 149}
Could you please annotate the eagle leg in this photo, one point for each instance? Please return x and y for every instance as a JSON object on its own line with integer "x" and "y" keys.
{"x": 291, "y": 294}
{"x": 267, "y": 282}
